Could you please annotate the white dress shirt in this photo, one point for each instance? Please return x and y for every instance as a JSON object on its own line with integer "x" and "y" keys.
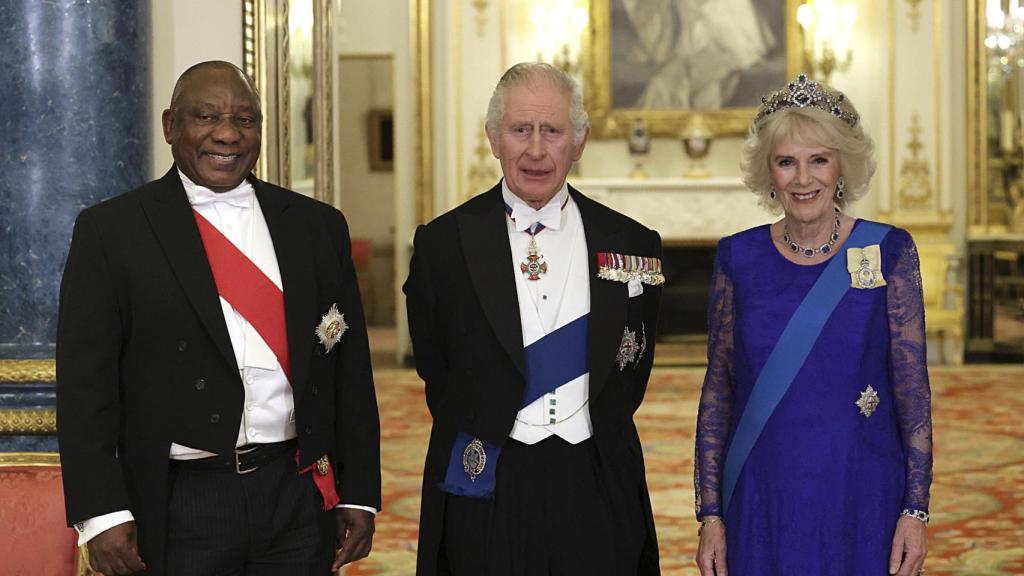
{"x": 268, "y": 413}
{"x": 558, "y": 297}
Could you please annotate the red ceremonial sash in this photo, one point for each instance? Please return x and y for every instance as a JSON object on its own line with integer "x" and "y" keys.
{"x": 249, "y": 291}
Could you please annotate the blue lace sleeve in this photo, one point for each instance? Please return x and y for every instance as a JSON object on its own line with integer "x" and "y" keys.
{"x": 909, "y": 370}
{"x": 717, "y": 393}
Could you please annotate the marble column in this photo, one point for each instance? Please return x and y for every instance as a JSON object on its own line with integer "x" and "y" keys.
{"x": 74, "y": 130}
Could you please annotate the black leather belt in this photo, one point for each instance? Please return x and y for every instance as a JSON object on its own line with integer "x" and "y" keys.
{"x": 243, "y": 460}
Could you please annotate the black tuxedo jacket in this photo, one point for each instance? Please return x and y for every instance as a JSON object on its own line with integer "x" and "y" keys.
{"x": 467, "y": 339}
{"x": 144, "y": 358}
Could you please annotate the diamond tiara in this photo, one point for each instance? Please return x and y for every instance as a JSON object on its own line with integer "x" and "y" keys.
{"x": 804, "y": 93}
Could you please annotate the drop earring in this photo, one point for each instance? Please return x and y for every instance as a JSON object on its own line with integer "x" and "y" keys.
{"x": 840, "y": 188}
{"x": 771, "y": 192}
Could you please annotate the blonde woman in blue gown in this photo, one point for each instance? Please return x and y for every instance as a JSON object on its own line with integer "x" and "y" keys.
{"x": 814, "y": 440}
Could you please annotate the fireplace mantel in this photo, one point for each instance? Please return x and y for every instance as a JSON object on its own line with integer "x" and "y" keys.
{"x": 682, "y": 210}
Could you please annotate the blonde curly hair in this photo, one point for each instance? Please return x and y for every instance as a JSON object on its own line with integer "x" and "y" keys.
{"x": 814, "y": 127}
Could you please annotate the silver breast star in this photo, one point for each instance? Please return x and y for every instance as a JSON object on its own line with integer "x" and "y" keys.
{"x": 868, "y": 401}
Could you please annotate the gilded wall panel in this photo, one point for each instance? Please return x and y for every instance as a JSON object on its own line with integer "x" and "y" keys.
{"x": 913, "y": 191}
{"x": 478, "y": 67}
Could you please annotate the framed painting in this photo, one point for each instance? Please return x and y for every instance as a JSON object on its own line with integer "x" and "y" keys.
{"x": 380, "y": 130}
{"x": 665, "y": 60}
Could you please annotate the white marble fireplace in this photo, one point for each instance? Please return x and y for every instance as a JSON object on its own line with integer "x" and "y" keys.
{"x": 682, "y": 210}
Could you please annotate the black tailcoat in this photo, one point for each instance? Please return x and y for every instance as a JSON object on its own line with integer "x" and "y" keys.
{"x": 467, "y": 338}
{"x": 144, "y": 359}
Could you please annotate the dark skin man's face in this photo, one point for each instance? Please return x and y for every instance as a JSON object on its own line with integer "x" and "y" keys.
{"x": 214, "y": 128}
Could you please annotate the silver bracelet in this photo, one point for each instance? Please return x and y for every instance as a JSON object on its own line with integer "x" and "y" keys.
{"x": 917, "y": 514}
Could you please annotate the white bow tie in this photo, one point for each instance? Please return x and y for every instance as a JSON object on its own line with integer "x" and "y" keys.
{"x": 526, "y": 217}
{"x": 240, "y": 197}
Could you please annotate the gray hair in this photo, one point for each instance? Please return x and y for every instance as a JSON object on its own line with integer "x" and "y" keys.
{"x": 180, "y": 85}
{"x": 811, "y": 126}
{"x": 526, "y": 72}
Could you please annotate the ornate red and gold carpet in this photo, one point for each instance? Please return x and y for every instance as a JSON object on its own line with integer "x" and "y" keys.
{"x": 977, "y": 526}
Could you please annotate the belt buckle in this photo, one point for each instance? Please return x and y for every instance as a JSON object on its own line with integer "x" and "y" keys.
{"x": 238, "y": 463}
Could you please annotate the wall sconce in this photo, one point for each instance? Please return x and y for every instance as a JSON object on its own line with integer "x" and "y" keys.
{"x": 300, "y": 31}
{"x": 1004, "y": 38}
{"x": 827, "y": 28}
{"x": 1004, "y": 43}
{"x": 558, "y": 25}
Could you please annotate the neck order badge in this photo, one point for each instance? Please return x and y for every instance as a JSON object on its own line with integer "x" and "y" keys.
{"x": 534, "y": 265}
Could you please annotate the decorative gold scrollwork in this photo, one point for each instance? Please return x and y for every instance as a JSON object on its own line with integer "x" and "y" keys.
{"x": 30, "y": 421}
{"x": 28, "y": 371}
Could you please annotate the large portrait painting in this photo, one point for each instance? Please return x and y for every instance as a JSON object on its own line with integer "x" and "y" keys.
{"x": 664, "y": 60}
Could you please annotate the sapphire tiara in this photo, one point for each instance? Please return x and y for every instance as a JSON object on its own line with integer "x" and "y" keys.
{"x": 804, "y": 93}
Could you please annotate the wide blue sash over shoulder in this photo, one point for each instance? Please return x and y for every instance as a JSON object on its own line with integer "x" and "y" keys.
{"x": 790, "y": 352}
{"x": 554, "y": 360}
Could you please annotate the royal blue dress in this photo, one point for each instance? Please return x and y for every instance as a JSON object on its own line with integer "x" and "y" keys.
{"x": 823, "y": 486}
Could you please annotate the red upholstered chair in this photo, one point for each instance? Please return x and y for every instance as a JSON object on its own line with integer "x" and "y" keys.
{"x": 362, "y": 251}
{"x": 34, "y": 538}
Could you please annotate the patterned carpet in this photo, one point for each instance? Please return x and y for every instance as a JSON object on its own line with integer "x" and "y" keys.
{"x": 977, "y": 524}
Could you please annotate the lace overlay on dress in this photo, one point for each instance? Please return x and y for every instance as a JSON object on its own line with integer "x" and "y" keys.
{"x": 717, "y": 395}
{"x": 908, "y": 364}
{"x": 908, "y": 367}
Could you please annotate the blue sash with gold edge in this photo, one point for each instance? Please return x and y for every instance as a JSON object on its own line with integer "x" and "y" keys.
{"x": 554, "y": 360}
{"x": 790, "y": 353}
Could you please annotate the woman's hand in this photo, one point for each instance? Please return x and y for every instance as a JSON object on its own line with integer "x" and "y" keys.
{"x": 711, "y": 550}
{"x": 909, "y": 547}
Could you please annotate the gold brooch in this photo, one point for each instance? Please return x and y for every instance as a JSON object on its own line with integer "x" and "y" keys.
{"x": 868, "y": 402}
{"x": 323, "y": 465}
{"x": 865, "y": 267}
{"x": 331, "y": 327}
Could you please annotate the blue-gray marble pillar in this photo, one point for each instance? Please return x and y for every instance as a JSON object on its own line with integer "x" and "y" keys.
{"x": 74, "y": 129}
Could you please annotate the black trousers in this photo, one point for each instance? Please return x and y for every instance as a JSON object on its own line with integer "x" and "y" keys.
{"x": 550, "y": 516}
{"x": 266, "y": 523}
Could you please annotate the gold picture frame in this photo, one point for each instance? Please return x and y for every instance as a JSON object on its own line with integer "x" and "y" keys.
{"x": 610, "y": 121}
{"x": 266, "y": 58}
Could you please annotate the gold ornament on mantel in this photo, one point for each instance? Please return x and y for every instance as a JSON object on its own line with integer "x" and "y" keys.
{"x": 696, "y": 137}
{"x": 639, "y": 142}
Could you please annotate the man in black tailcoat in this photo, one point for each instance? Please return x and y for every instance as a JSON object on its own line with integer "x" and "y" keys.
{"x": 532, "y": 311}
{"x": 215, "y": 403}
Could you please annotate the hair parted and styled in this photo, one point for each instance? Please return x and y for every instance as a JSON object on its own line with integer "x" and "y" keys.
{"x": 529, "y": 72}
{"x": 818, "y": 116}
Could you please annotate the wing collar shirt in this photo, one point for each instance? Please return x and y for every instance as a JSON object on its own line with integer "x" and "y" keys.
{"x": 558, "y": 297}
{"x": 268, "y": 412}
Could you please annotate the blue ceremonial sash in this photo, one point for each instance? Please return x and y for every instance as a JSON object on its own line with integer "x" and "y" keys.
{"x": 790, "y": 353}
{"x": 554, "y": 360}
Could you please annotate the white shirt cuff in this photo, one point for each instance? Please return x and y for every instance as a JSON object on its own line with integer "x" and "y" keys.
{"x": 91, "y": 528}
{"x": 358, "y": 507}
